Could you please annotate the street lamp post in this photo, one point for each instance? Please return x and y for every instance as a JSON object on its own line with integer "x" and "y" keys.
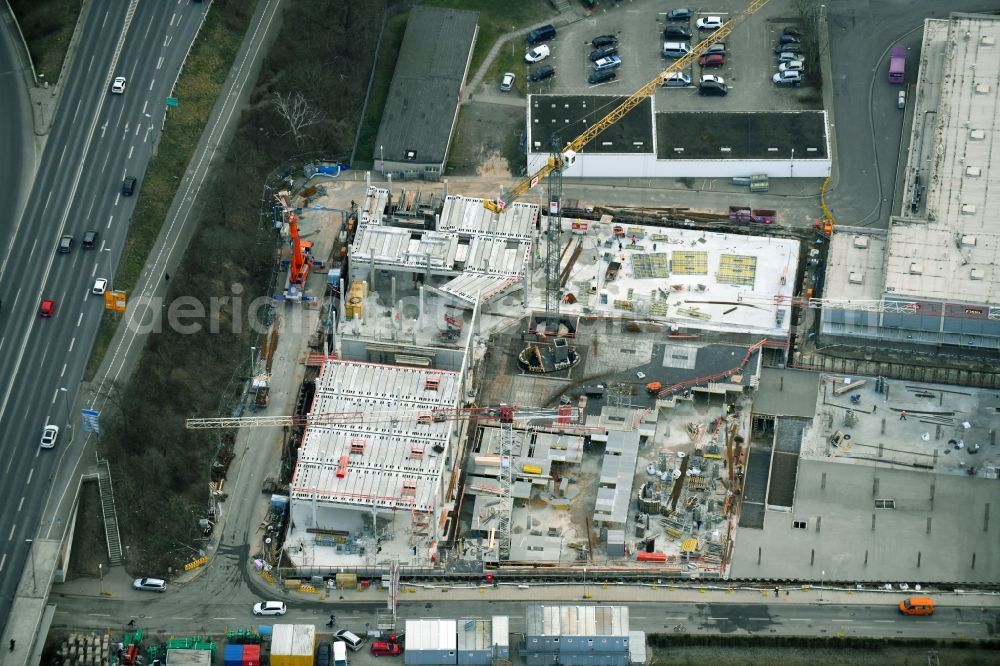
{"x": 381, "y": 158}
{"x": 65, "y": 396}
{"x": 822, "y": 582}
{"x": 253, "y": 363}
{"x": 100, "y": 573}
{"x": 31, "y": 554}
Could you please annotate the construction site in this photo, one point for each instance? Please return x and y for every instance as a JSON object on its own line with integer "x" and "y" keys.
{"x": 504, "y": 385}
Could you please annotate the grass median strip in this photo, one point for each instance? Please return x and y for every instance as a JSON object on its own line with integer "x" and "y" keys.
{"x": 48, "y": 27}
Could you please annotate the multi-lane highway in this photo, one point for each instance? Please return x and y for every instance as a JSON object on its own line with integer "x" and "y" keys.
{"x": 96, "y": 139}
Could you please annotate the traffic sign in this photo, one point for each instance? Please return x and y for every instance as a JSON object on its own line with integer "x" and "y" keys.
{"x": 91, "y": 420}
{"x": 172, "y": 101}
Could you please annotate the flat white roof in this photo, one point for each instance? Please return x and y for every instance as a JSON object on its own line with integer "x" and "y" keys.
{"x": 953, "y": 255}
{"x": 467, "y": 215}
{"x": 431, "y": 635}
{"x": 693, "y": 278}
{"x": 856, "y": 264}
{"x": 384, "y": 456}
{"x": 577, "y": 621}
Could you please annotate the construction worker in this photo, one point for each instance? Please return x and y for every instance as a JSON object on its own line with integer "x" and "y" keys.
{"x": 902, "y": 415}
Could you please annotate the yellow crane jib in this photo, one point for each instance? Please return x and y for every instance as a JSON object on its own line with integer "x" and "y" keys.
{"x": 565, "y": 157}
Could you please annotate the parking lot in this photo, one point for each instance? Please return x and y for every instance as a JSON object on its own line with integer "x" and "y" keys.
{"x": 750, "y": 61}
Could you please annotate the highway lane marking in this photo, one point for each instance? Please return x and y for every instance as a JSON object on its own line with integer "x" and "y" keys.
{"x": 31, "y": 472}
{"x": 91, "y": 208}
{"x": 71, "y": 343}
{"x": 11, "y": 535}
{"x": 99, "y": 614}
{"x": 159, "y": 65}
{"x": 91, "y": 65}
{"x": 94, "y": 272}
{"x": 76, "y": 113}
{"x": 20, "y": 504}
{"x": 80, "y": 318}
{"x": 223, "y": 618}
{"x": 2, "y": 340}
{"x": 105, "y": 19}
{"x": 151, "y": 84}
{"x": 182, "y": 618}
{"x": 105, "y": 165}
{"x": 63, "y": 371}
{"x": 48, "y": 198}
{"x": 799, "y": 619}
{"x": 961, "y": 622}
{"x": 145, "y": 105}
{"x": 62, "y": 158}
{"x": 2, "y": 560}
{"x": 718, "y": 618}
{"x": 675, "y": 618}
{"x": 55, "y": 394}
{"x": 110, "y": 218}
{"x": 759, "y": 619}
{"x": 884, "y": 621}
{"x": 173, "y": 17}
{"x": 132, "y": 148}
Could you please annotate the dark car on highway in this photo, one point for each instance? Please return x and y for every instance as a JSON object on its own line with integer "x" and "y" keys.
{"x": 543, "y": 72}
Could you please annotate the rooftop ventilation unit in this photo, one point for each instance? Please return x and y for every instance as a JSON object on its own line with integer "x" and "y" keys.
{"x": 861, "y": 242}
{"x": 916, "y": 269}
{"x": 856, "y": 278}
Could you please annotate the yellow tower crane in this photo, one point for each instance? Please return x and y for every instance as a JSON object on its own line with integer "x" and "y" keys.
{"x": 565, "y": 157}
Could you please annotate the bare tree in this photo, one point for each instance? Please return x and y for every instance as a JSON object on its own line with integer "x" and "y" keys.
{"x": 297, "y": 112}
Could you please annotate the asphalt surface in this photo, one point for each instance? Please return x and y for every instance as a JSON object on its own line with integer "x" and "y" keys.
{"x": 96, "y": 138}
{"x": 868, "y": 126}
{"x": 16, "y": 146}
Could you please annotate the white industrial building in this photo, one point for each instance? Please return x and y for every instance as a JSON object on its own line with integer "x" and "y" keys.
{"x": 932, "y": 279}
{"x": 440, "y": 642}
{"x": 647, "y": 144}
{"x": 370, "y": 475}
{"x": 592, "y": 635}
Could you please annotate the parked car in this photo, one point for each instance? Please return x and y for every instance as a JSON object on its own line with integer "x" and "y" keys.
{"x": 787, "y": 78}
{"x": 788, "y": 56}
{"x": 603, "y": 40}
{"x": 100, "y": 286}
{"x": 676, "y": 32}
{"x": 118, "y": 85}
{"x": 269, "y": 608}
{"x": 679, "y": 14}
{"x": 789, "y": 39}
{"x": 788, "y": 48}
{"x": 676, "y": 80}
{"x": 709, "y": 23}
{"x": 49, "y": 436}
{"x": 712, "y": 60}
{"x": 675, "y": 49}
{"x": 542, "y": 34}
{"x": 718, "y": 47}
{"x": 542, "y": 73}
{"x": 47, "y": 308}
{"x": 791, "y": 66}
{"x": 713, "y": 88}
{"x": 712, "y": 78}
{"x": 602, "y": 76}
{"x": 792, "y": 30}
{"x": 610, "y": 62}
{"x": 603, "y": 52}
{"x": 385, "y": 649}
{"x": 538, "y": 53}
{"x": 150, "y": 584}
{"x": 507, "y": 82}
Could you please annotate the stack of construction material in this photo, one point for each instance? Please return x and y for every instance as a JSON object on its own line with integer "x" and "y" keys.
{"x": 85, "y": 650}
{"x": 293, "y": 644}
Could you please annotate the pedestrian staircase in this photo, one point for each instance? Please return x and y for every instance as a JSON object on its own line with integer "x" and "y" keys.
{"x": 560, "y": 6}
{"x": 110, "y": 517}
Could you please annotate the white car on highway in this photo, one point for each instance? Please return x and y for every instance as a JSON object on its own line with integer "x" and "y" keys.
{"x": 100, "y": 286}
{"x": 269, "y": 608}
{"x": 118, "y": 86}
{"x": 49, "y": 436}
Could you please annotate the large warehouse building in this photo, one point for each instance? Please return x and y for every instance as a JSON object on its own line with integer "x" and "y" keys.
{"x": 647, "y": 144}
{"x": 933, "y": 278}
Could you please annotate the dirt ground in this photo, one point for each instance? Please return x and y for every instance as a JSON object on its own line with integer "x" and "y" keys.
{"x": 697, "y": 656}
{"x": 89, "y": 546}
{"x": 487, "y": 141}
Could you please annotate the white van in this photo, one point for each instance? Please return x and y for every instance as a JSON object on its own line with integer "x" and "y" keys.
{"x": 675, "y": 49}
{"x": 339, "y": 654}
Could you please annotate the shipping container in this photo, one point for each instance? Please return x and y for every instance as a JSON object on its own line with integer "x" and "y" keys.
{"x": 293, "y": 644}
{"x": 251, "y": 655}
{"x": 232, "y": 655}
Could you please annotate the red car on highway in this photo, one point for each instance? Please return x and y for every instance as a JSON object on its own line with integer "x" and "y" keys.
{"x": 48, "y": 307}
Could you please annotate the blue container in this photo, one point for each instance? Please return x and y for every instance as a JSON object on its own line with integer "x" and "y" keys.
{"x": 233, "y": 655}
{"x": 264, "y": 630}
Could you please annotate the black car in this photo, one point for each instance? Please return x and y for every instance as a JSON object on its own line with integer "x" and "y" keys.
{"x": 604, "y": 40}
{"x": 788, "y": 39}
{"x": 543, "y": 72}
{"x": 542, "y": 34}
{"x": 602, "y": 76}
{"x": 128, "y": 185}
{"x": 713, "y": 88}
{"x": 603, "y": 52}
{"x": 679, "y": 14}
{"x": 791, "y": 30}
{"x": 89, "y": 238}
{"x": 676, "y": 32}
{"x": 787, "y": 48}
